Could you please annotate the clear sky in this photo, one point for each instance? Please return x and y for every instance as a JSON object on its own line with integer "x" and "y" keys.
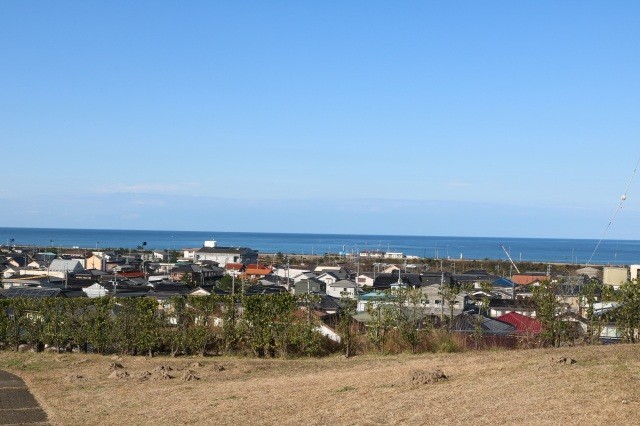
{"x": 478, "y": 118}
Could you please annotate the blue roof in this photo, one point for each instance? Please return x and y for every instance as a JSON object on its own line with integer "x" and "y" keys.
{"x": 503, "y": 282}
{"x": 374, "y": 295}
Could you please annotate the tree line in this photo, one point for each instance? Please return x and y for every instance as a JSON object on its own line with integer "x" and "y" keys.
{"x": 282, "y": 325}
{"x": 259, "y": 325}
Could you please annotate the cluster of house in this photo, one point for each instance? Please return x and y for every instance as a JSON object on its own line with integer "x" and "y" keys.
{"x": 198, "y": 271}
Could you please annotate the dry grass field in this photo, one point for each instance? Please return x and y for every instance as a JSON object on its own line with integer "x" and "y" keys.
{"x": 492, "y": 387}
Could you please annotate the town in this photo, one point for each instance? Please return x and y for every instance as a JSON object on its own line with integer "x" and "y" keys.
{"x": 353, "y": 303}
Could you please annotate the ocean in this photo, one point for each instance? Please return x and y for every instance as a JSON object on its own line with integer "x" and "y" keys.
{"x": 520, "y": 249}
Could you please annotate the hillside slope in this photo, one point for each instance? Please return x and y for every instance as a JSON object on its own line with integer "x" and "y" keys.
{"x": 526, "y": 386}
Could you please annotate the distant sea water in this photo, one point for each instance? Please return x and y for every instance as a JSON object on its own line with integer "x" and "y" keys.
{"x": 521, "y": 249}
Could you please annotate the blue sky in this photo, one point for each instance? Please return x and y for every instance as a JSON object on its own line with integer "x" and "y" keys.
{"x": 423, "y": 118}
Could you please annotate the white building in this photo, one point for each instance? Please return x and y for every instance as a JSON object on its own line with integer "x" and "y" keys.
{"x": 342, "y": 288}
{"x": 224, "y": 255}
{"x": 95, "y": 290}
{"x": 61, "y": 267}
{"x": 615, "y": 276}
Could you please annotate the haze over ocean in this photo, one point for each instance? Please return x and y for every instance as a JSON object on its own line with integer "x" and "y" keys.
{"x": 525, "y": 249}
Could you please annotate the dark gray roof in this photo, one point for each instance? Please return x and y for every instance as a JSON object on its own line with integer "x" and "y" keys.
{"x": 32, "y": 292}
{"x": 479, "y": 272}
{"x": 128, "y": 294}
{"x": 239, "y": 250}
{"x": 327, "y": 303}
{"x": 211, "y": 289}
{"x": 264, "y": 289}
{"x": 179, "y": 288}
{"x": 467, "y": 323}
{"x": 467, "y": 277}
{"x": 387, "y": 280}
{"x": 512, "y": 303}
{"x": 429, "y": 278}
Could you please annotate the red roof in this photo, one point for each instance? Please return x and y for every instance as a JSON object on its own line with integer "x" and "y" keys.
{"x": 258, "y": 271}
{"x": 523, "y": 279}
{"x": 522, "y": 323}
{"x": 234, "y": 266}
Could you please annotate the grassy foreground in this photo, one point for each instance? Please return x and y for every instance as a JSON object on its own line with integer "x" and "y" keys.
{"x": 523, "y": 387}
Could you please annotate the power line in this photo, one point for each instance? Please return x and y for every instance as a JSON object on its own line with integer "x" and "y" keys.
{"x": 623, "y": 198}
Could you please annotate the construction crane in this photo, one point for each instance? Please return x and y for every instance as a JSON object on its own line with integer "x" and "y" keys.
{"x": 510, "y": 260}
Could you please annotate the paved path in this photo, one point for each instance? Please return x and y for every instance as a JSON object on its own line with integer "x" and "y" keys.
{"x": 17, "y": 404}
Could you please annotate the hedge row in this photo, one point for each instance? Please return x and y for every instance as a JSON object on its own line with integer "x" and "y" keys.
{"x": 260, "y": 325}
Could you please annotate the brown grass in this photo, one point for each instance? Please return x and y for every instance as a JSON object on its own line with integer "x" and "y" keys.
{"x": 523, "y": 387}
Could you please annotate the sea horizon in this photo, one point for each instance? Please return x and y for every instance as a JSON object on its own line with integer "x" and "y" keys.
{"x": 311, "y": 233}
{"x": 525, "y": 249}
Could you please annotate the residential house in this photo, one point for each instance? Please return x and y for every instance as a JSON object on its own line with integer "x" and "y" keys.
{"x": 309, "y": 285}
{"x": 9, "y": 270}
{"x": 434, "y": 277}
{"x": 293, "y": 272}
{"x": 97, "y": 290}
{"x": 33, "y": 281}
{"x": 32, "y": 292}
{"x": 339, "y": 271}
{"x": 615, "y": 276}
{"x": 45, "y": 256}
{"x": 327, "y": 304}
{"x": 175, "y": 288}
{"x": 207, "y": 290}
{"x": 341, "y": 288}
{"x": 474, "y": 278}
{"x": 435, "y": 303}
{"x": 372, "y": 299}
{"x": 364, "y": 280}
{"x": 160, "y": 255}
{"x": 189, "y": 253}
{"x": 90, "y": 275}
{"x": 62, "y": 267}
{"x": 522, "y": 323}
{"x": 477, "y": 330}
{"x": 370, "y": 254}
{"x": 122, "y": 289}
{"x": 39, "y": 264}
{"x": 387, "y": 280}
{"x": 499, "y": 307}
{"x": 97, "y": 261}
{"x": 264, "y": 289}
{"x": 234, "y": 269}
{"x": 328, "y": 277}
{"x": 468, "y": 323}
{"x": 196, "y": 273}
{"x": 303, "y": 276}
{"x": 257, "y": 271}
{"x": 529, "y": 278}
{"x": 16, "y": 259}
{"x": 390, "y": 269}
{"x": 224, "y": 255}
{"x": 394, "y": 255}
{"x": 634, "y": 272}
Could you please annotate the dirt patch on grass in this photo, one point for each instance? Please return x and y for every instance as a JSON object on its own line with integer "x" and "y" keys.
{"x": 422, "y": 377}
{"x": 488, "y": 387}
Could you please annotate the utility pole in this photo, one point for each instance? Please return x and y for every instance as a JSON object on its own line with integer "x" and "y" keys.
{"x": 233, "y": 284}
{"x": 441, "y": 294}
